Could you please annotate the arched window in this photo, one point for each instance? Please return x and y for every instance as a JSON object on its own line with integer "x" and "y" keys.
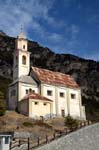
{"x": 30, "y": 90}
{"x": 24, "y": 60}
{"x": 23, "y": 46}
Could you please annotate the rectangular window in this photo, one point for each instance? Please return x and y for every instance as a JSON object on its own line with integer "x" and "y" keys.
{"x": 73, "y": 96}
{"x": 36, "y": 103}
{"x": 44, "y": 104}
{"x": 49, "y": 92}
{"x": 61, "y": 94}
{"x": 6, "y": 140}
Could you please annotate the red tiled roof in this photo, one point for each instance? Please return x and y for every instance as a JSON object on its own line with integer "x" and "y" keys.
{"x": 35, "y": 96}
{"x": 51, "y": 77}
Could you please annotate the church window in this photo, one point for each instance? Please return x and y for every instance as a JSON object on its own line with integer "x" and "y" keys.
{"x": 44, "y": 104}
{"x": 49, "y": 92}
{"x": 61, "y": 94}
{"x": 26, "y": 91}
{"x": 23, "y": 46}
{"x": 36, "y": 103}
{"x": 73, "y": 96}
{"x": 24, "y": 60}
{"x": 30, "y": 90}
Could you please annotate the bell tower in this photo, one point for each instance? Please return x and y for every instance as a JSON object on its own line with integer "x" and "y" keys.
{"x": 21, "y": 64}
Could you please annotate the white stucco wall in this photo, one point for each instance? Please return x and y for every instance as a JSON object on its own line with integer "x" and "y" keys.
{"x": 20, "y": 44}
{"x": 66, "y": 103}
{"x": 44, "y": 88}
{"x": 23, "y": 69}
{"x": 20, "y": 69}
{"x": 75, "y": 104}
{"x": 23, "y": 87}
{"x": 62, "y": 101}
{"x": 40, "y": 109}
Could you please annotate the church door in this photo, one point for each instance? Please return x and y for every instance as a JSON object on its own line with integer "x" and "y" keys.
{"x": 63, "y": 113}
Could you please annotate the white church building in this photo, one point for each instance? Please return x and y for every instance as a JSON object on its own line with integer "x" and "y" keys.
{"x": 39, "y": 92}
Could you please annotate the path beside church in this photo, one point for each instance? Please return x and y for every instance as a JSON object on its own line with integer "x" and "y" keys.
{"x": 84, "y": 139}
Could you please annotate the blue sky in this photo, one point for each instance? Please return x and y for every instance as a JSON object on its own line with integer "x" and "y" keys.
{"x": 65, "y": 26}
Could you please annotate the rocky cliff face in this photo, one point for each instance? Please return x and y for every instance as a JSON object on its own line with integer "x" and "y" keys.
{"x": 85, "y": 72}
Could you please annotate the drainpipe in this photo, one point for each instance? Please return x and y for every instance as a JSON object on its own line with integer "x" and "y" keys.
{"x": 56, "y": 101}
{"x": 68, "y": 102}
{"x": 80, "y": 103}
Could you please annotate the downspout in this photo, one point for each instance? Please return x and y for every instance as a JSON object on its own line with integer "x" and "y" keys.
{"x": 68, "y": 102}
{"x": 80, "y": 104}
{"x": 56, "y": 101}
{"x": 18, "y": 96}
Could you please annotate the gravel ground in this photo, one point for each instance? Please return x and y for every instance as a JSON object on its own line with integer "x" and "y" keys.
{"x": 84, "y": 139}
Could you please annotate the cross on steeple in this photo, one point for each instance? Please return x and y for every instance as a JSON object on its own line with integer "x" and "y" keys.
{"x": 21, "y": 28}
{"x": 21, "y": 35}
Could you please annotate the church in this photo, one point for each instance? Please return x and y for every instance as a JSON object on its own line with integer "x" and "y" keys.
{"x": 37, "y": 92}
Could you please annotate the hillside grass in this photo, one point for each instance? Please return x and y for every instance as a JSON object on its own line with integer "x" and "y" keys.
{"x": 13, "y": 121}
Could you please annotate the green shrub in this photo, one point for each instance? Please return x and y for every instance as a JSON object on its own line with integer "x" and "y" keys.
{"x": 71, "y": 122}
{"x": 28, "y": 124}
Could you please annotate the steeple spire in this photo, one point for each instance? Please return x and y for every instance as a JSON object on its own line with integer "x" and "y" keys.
{"x": 21, "y": 28}
{"x": 21, "y": 35}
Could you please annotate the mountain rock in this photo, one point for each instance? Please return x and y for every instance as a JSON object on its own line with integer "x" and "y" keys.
{"x": 2, "y": 33}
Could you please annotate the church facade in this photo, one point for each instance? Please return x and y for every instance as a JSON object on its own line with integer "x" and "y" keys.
{"x": 39, "y": 92}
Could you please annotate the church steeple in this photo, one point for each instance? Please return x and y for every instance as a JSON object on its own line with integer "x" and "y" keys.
{"x": 21, "y": 42}
{"x": 21, "y": 57}
{"x": 22, "y": 35}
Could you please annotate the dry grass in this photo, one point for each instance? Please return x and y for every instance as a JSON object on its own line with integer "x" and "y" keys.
{"x": 13, "y": 121}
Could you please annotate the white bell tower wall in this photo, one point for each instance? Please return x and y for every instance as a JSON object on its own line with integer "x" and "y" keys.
{"x": 21, "y": 64}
